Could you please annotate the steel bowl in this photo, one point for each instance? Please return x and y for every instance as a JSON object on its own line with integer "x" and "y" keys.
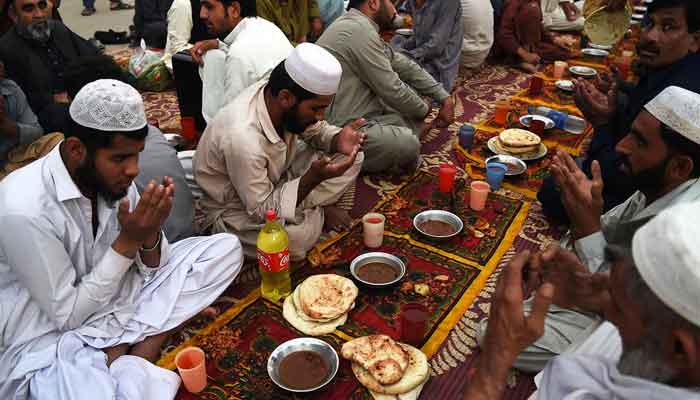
{"x": 595, "y": 52}
{"x": 377, "y": 257}
{"x": 439, "y": 215}
{"x": 586, "y": 72}
{"x": 318, "y": 346}
{"x": 515, "y": 165}
{"x": 174, "y": 139}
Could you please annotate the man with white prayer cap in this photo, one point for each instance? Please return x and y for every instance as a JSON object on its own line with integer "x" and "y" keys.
{"x": 661, "y": 156}
{"x": 271, "y": 149}
{"x": 651, "y": 295}
{"x": 90, "y": 288}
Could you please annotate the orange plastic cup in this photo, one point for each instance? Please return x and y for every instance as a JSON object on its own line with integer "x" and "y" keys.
{"x": 478, "y": 195}
{"x": 502, "y": 110}
{"x": 191, "y": 364}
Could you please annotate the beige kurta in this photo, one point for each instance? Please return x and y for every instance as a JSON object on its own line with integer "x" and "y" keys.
{"x": 381, "y": 85}
{"x": 244, "y": 169}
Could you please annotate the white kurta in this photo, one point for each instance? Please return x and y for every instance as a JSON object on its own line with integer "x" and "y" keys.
{"x": 477, "y": 17}
{"x": 65, "y": 294}
{"x": 597, "y": 378}
{"x": 179, "y": 30}
{"x": 553, "y": 17}
{"x": 249, "y": 53}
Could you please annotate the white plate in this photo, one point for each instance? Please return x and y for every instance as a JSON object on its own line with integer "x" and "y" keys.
{"x": 595, "y": 52}
{"x": 565, "y": 85}
{"x": 600, "y": 46}
{"x": 580, "y": 70}
{"x": 526, "y": 119}
{"x": 493, "y": 146}
{"x": 405, "y": 32}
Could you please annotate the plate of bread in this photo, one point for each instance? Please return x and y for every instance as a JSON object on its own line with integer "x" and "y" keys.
{"x": 519, "y": 143}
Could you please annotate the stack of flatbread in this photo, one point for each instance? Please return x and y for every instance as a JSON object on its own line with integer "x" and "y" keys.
{"x": 320, "y": 304}
{"x": 518, "y": 142}
{"x": 390, "y": 370}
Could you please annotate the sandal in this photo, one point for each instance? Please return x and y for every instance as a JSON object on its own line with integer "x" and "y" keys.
{"x": 120, "y": 6}
{"x": 88, "y": 12}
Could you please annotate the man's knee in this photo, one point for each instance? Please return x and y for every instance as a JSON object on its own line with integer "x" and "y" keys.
{"x": 391, "y": 148}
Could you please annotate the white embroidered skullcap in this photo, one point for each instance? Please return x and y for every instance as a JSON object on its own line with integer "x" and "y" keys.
{"x": 109, "y": 105}
{"x": 667, "y": 256}
{"x": 679, "y": 109}
{"x": 315, "y": 69}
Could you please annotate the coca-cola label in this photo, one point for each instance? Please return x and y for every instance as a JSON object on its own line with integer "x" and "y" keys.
{"x": 273, "y": 262}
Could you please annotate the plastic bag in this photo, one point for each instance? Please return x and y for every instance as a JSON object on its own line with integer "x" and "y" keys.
{"x": 149, "y": 70}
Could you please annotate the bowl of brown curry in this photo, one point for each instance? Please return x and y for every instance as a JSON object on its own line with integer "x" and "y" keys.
{"x": 438, "y": 224}
{"x": 377, "y": 269}
{"x": 303, "y": 365}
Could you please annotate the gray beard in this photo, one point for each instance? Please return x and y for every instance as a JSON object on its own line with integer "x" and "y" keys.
{"x": 642, "y": 362}
{"x": 40, "y": 32}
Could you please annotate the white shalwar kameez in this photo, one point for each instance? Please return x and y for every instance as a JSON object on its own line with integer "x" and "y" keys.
{"x": 66, "y": 294}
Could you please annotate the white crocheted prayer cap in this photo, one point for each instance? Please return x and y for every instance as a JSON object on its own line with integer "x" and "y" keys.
{"x": 679, "y": 109}
{"x": 314, "y": 68}
{"x": 667, "y": 256}
{"x": 109, "y": 105}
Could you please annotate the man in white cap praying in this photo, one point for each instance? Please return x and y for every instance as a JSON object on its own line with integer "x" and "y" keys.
{"x": 271, "y": 149}
{"x": 661, "y": 157}
{"x": 89, "y": 286}
{"x": 651, "y": 294}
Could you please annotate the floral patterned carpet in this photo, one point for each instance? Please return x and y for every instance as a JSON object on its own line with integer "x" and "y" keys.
{"x": 247, "y": 329}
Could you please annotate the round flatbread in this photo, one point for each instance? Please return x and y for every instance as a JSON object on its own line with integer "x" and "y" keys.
{"x": 606, "y": 27}
{"x": 326, "y": 296}
{"x": 416, "y": 373}
{"x": 515, "y": 150}
{"x": 519, "y": 138}
{"x": 379, "y": 355}
{"x": 411, "y": 395}
{"x": 290, "y": 313}
{"x": 297, "y": 305}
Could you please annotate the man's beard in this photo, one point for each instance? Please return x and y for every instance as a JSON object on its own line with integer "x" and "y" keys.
{"x": 87, "y": 177}
{"x": 644, "y": 362}
{"x": 291, "y": 122}
{"x": 383, "y": 19}
{"x": 649, "y": 181}
{"x": 38, "y": 31}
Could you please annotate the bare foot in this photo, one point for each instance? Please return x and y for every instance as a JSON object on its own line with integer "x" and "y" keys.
{"x": 115, "y": 352}
{"x": 527, "y": 67}
{"x": 149, "y": 349}
{"x": 336, "y": 219}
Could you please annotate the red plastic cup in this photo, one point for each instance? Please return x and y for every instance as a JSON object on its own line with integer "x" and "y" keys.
{"x": 502, "y": 110}
{"x": 447, "y": 177}
{"x": 188, "y": 129}
{"x": 413, "y": 319}
{"x": 536, "y": 85}
{"x": 191, "y": 364}
{"x": 537, "y": 126}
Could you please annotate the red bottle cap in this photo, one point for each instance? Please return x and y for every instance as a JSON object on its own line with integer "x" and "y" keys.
{"x": 270, "y": 215}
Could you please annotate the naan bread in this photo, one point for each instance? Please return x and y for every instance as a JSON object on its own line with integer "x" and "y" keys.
{"x": 297, "y": 305}
{"x": 416, "y": 373}
{"x": 519, "y": 138}
{"x": 412, "y": 395}
{"x": 385, "y": 360}
{"x": 516, "y": 150}
{"x": 605, "y": 27}
{"x": 291, "y": 314}
{"x": 326, "y": 296}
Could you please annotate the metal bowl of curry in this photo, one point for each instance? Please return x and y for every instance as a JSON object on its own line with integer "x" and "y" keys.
{"x": 303, "y": 365}
{"x": 438, "y": 224}
{"x": 377, "y": 269}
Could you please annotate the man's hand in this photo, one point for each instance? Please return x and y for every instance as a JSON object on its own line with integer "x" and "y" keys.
{"x": 61, "y": 98}
{"x": 200, "y": 49}
{"x": 509, "y": 330}
{"x": 575, "y": 286}
{"x": 570, "y": 10}
{"x": 582, "y": 197}
{"x": 142, "y": 226}
{"x": 323, "y": 169}
{"x": 530, "y": 58}
{"x": 446, "y": 115}
{"x": 349, "y": 138}
{"x": 597, "y": 106}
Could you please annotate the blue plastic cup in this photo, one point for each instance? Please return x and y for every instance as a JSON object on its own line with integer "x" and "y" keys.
{"x": 495, "y": 172}
{"x": 466, "y": 136}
